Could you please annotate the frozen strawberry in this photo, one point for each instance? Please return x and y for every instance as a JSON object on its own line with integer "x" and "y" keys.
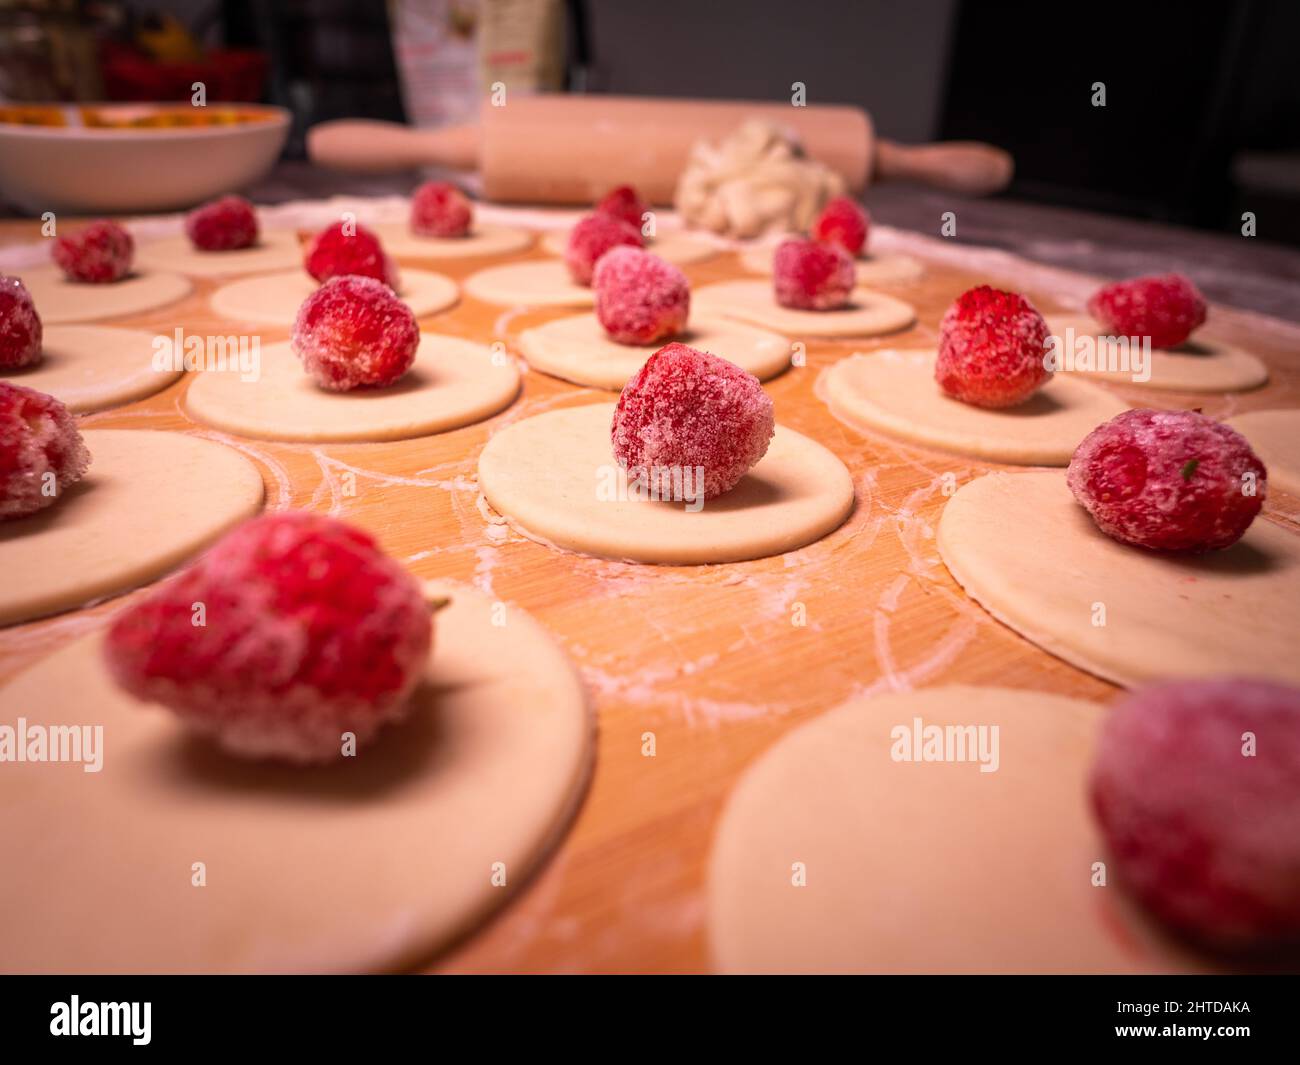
{"x": 1172, "y": 480}
{"x": 222, "y": 225}
{"x": 1196, "y": 787}
{"x": 639, "y": 297}
{"x": 624, "y": 204}
{"x": 686, "y": 410}
{"x": 992, "y": 349}
{"x": 1166, "y": 309}
{"x": 101, "y": 252}
{"x": 348, "y": 248}
{"x": 354, "y": 331}
{"x": 591, "y": 238}
{"x": 844, "y": 223}
{"x": 811, "y": 276}
{"x": 20, "y": 326}
{"x": 308, "y": 631}
{"x": 439, "y": 209}
{"x": 42, "y": 454}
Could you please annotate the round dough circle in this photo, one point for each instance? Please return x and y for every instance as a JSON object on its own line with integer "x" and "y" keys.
{"x": 276, "y": 249}
{"x": 399, "y": 241}
{"x": 871, "y": 269}
{"x": 1197, "y": 366}
{"x": 274, "y": 299}
{"x": 93, "y": 367}
{"x": 1021, "y": 546}
{"x": 870, "y": 313}
{"x": 679, "y": 248}
{"x": 149, "y": 501}
{"x": 1275, "y": 437}
{"x": 923, "y": 867}
{"x": 59, "y": 300}
{"x": 453, "y": 382}
{"x": 894, "y": 392}
{"x": 536, "y": 283}
{"x": 578, "y": 349}
{"x": 351, "y": 867}
{"x": 552, "y": 476}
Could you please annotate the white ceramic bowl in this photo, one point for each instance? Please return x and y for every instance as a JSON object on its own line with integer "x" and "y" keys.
{"x": 94, "y": 170}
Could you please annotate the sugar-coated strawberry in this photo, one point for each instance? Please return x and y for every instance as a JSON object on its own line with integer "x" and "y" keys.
{"x": 349, "y": 248}
{"x": 992, "y": 349}
{"x": 624, "y": 204}
{"x": 20, "y": 326}
{"x": 1165, "y": 308}
{"x": 591, "y": 238}
{"x": 439, "y": 209}
{"x": 843, "y": 222}
{"x": 42, "y": 453}
{"x": 640, "y": 298}
{"x": 354, "y": 332}
{"x": 226, "y": 224}
{"x": 97, "y": 254}
{"x": 811, "y": 276}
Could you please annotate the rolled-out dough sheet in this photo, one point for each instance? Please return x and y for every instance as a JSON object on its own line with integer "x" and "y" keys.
{"x": 536, "y": 283}
{"x": 869, "y": 314}
{"x": 276, "y": 249}
{"x": 274, "y": 299}
{"x": 1033, "y": 558}
{"x": 369, "y": 864}
{"x": 59, "y": 300}
{"x": 93, "y": 367}
{"x": 578, "y": 349}
{"x": 887, "y": 269}
{"x": 149, "y": 501}
{"x": 1198, "y": 366}
{"x": 398, "y": 240}
{"x": 895, "y": 393}
{"x": 679, "y": 248}
{"x": 1275, "y": 437}
{"x": 924, "y": 866}
{"x": 554, "y": 477}
{"x": 452, "y": 382}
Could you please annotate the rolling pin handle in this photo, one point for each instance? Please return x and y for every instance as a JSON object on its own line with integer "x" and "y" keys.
{"x": 968, "y": 167}
{"x": 366, "y": 146}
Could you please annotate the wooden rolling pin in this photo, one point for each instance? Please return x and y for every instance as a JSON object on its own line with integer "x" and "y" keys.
{"x": 573, "y": 149}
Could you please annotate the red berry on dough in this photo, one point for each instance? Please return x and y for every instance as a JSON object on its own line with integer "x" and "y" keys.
{"x": 100, "y": 253}
{"x": 591, "y": 238}
{"x": 222, "y": 225}
{"x": 810, "y": 276}
{"x": 1204, "y": 834}
{"x": 38, "y": 438}
{"x": 687, "y": 409}
{"x": 347, "y": 248}
{"x": 843, "y": 222}
{"x": 1172, "y": 480}
{"x": 624, "y": 204}
{"x": 992, "y": 349}
{"x": 439, "y": 209}
{"x": 639, "y": 297}
{"x": 310, "y": 631}
{"x": 1166, "y": 309}
{"x": 20, "y": 326}
{"x": 353, "y": 331}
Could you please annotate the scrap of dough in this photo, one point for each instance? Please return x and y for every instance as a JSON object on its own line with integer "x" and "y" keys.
{"x": 370, "y": 864}
{"x": 871, "y": 269}
{"x": 453, "y": 382}
{"x": 1033, "y": 558}
{"x": 59, "y": 300}
{"x": 536, "y": 283}
{"x": 93, "y": 367}
{"x": 149, "y": 501}
{"x": 895, "y": 393}
{"x": 554, "y": 477}
{"x": 399, "y": 241}
{"x": 578, "y": 349}
{"x": 924, "y": 867}
{"x": 1200, "y": 365}
{"x": 679, "y": 248}
{"x": 868, "y": 314}
{"x": 1275, "y": 437}
{"x": 274, "y": 299}
{"x": 276, "y": 249}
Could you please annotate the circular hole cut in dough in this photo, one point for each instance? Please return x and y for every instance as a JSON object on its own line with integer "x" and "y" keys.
{"x": 869, "y": 314}
{"x": 578, "y": 349}
{"x": 894, "y": 392}
{"x": 59, "y": 300}
{"x": 679, "y": 248}
{"x": 1026, "y": 551}
{"x": 554, "y": 477}
{"x": 536, "y": 283}
{"x": 453, "y": 382}
{"x": 925, "y": 866}
{"x": 1197, "y": 366}
{"x": 93, "y": 367}
{"x": 1275, "y": 437}
{"x": 372, "y": 863}
{"x": 886, "y": 269}
{"x": 274, "y": 299}
{"x": 399, "y": 241}
{"x": 276, "y": 249}
{"x": 149, "y": 501}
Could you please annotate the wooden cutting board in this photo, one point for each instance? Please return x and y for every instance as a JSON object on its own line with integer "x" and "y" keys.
{"x": 708, "y": 659}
